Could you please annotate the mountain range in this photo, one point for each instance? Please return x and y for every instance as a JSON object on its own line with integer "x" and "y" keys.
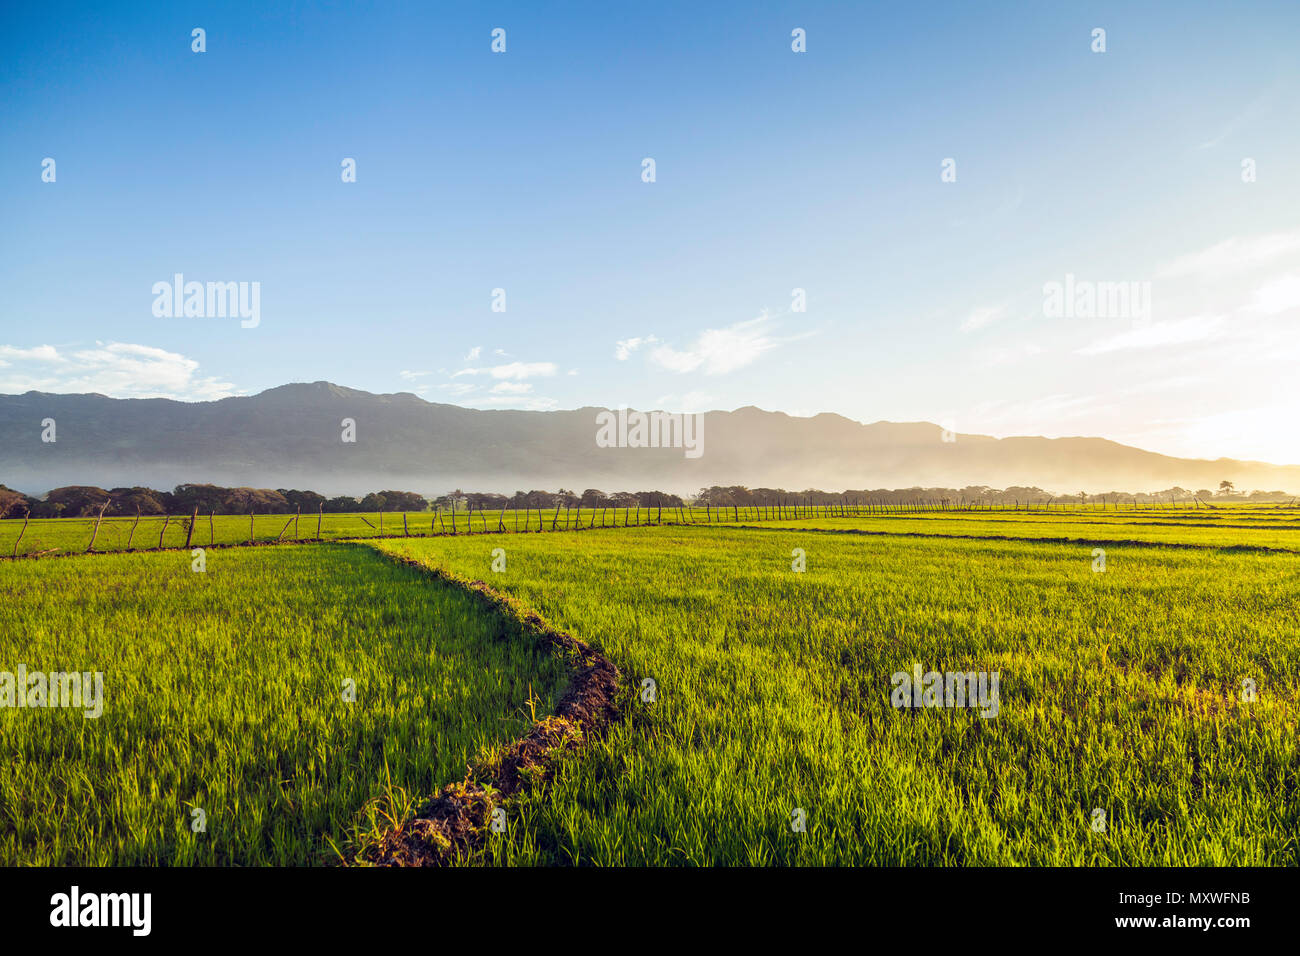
{"x": 292, "y": 437}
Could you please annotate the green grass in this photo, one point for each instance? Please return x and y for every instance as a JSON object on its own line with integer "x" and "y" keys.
{"x": 62, "y": 536}
{"x": 1119, "y": 690}
{"x": 1181, "y": 529}
{"x": 1266, "y": 526}
{"x": 224, "y": 691}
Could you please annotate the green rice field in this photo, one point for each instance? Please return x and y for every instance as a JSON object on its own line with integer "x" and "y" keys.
{"x": 224, "y": 691}
{"x": 1160, "y": 692}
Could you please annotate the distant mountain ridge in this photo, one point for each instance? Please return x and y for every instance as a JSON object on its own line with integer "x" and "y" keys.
{"x": 290, "y": 437}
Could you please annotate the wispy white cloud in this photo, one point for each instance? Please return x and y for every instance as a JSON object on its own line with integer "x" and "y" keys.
{"x": 530, "y": 403}
{"x": 983, "y": 317}
{"x": 719, "y": 351}
{"x": 1280, "y": 294}
{"x": 120, "y": 369}
{"x": 1252, "y": 112}
{"x": 1231, "y": 257}
{"x": 1197, "y": 328}
{"x": 624, "y": 348}
{"x": 1009, "y": 354}
{"x": 40, "y": 353}
{"x": 512, "y": 370}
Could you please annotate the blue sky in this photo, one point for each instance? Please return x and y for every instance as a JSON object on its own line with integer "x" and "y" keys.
{"x": 775, "y": 171}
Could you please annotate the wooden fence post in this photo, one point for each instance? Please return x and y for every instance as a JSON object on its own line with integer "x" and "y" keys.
{"x": 95, "y": 534}
{"x": 189, "y": 535}
{"x": 27, "y": 515}
{"x": 131, "y": 536}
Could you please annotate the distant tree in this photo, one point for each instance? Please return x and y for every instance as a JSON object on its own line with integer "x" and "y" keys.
{"x": 343, "y": 504}
{"x": 77, "y": 501}
{"x": 592, "y": 498}
{"x": 452, "y": 499}
{"x": 1225, "y": 488}
{"x": 208, "y": 498}
{"x": 307, "y": 501}
{"x": 623, "y": 499}
{"x": 658, "y": 499}
{"x": 146, "y": 501}
{"x": 715, "y": 495}
{"x": 540, "y": 499}
{"x": 240, "y": 501}
{"x": 402, "y": 501}
{"x": 14, "y": 504}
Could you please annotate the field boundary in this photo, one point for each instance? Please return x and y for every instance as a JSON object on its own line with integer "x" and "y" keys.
{"x": 328, "y": 542}
{"x": 455, "y": 821}
{"x": 507, "y": 532}
{"x": 1113, "y": 542}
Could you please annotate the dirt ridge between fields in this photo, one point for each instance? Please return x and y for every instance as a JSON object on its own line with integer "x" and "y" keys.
{"x": 457, "y": 820}
{"x": 1115, "y": 542}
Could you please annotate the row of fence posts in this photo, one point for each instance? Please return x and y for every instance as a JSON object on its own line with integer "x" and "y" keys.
{"x": 446, "y": 522}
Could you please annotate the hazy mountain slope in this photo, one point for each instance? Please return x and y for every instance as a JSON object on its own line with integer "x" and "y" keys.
{"x": 290, "y": 437}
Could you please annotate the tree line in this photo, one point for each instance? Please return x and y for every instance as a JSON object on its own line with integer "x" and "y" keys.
{"x": 80, "y": 501}
{"x": 738, "y": 495}
{"x": 77, "y": 501}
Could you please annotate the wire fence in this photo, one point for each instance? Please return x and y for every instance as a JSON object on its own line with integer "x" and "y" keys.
{"x": 28, "y": 537}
